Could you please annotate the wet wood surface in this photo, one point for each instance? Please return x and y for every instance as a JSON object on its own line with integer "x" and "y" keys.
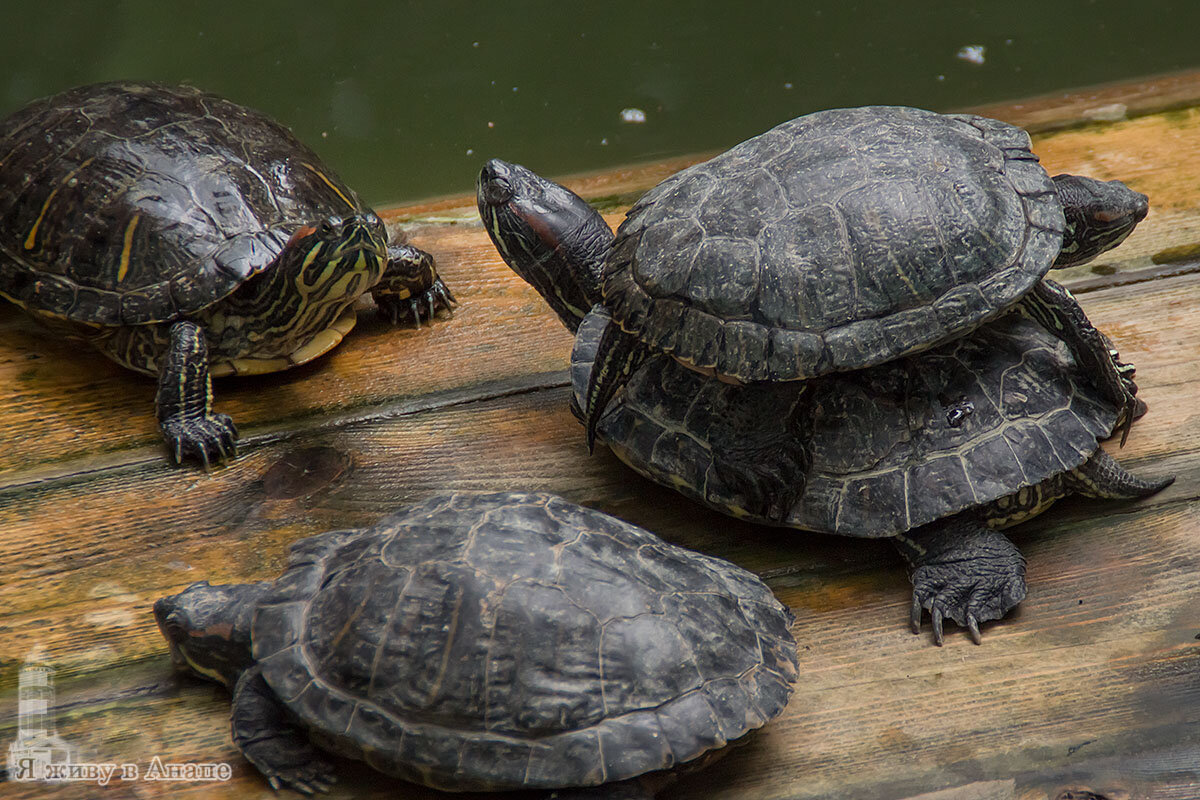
{"x": 1091, "y": 689}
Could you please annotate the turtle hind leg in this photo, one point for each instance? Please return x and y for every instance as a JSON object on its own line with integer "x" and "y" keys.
{"x": 1103, "y": 476}
{"x": 411, "y": 289}
{"x": 964, "y": 571}
{"x": 760, "y": 438}
{"x": 618, "y": 355}
{"x": 184, "y": 401}
{"x": 271, "y": 742}
{"x": 1053, "y": 307}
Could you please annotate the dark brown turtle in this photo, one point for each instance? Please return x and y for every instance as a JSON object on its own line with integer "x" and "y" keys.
{"x": 936, "y": 450}
{"x": 839, "y": 240}
{"x": 491, "y": 642}
{"x": 186, "y": 236}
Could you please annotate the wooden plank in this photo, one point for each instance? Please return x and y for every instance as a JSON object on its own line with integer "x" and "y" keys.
{"x": 1099, "y": 104}
{"x": 1090, "y": 686}
{"x": 72, "y": 399}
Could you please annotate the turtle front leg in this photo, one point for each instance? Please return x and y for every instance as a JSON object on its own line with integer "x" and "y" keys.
{"x": 184, "y": 401}
{"x": 1052, "y": 306}
{"x": 269, "y": 740}
{"x": 963, "y": 571}
{"x": 411, "y": 288}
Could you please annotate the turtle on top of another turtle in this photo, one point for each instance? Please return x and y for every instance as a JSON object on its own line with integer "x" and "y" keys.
{"x": 838, "y": 240}
{"x": 935, "y": 450}
{"x": 186, "y": 236}
{"x": 491, "y": 642}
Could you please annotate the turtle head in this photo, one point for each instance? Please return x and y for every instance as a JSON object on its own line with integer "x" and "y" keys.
{"x": 326, "y": 250}
{"x": 1099, "y": 214}
{"x": 547, "y": 234}
{"x": 208, "y": 628}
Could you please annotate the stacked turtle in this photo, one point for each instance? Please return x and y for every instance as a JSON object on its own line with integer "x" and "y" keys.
{"x": 844, "y": 325}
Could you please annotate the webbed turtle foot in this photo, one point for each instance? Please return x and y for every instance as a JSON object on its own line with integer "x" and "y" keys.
{"x": 211, "y": 439}
{"x": 964, "y": 572}
{"x": 763, "y": 493}
{"x": 307, "y": 778}
{"x": 417, "y": 308}
{"x": 272, "y": 743}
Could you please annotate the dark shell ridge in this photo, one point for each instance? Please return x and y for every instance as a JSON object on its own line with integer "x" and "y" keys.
{"x": 837, "y": 240}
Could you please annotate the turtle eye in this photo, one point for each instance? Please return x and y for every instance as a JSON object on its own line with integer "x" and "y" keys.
{"x": 373, "y": 220}
{"x": 497, "y": 191}
{"x": 173, "y": 629}
{"x": 330, "y": 228}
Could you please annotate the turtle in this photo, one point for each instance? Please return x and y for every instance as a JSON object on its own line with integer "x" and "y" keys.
{"x": 843, "y": 239}
{"x": 487, "y": 642}
{"x": 937, "y": 450}
{"x": 185, "y": 236}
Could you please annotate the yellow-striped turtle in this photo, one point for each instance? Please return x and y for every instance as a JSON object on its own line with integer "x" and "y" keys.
{"x": 936, "y": 450}
{"x": 491, "y": 642}
{"x": 186, "y": 236}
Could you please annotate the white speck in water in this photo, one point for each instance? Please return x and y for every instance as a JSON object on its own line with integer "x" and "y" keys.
{"x": 634, "y": 115}
{"x": 787, "y": 85}
{"x": 491, "y": 124}
{"x": 474, "y": 44}
{"x": 604, "y": 141}
{"x": 972, "y": 53}
{"x": 1008, "y": 41}
{"x": 514, "y": 88}
{"x": 324, "y": 134}
{"x": 470, "y": 151}
{"x": 941, "y": 77}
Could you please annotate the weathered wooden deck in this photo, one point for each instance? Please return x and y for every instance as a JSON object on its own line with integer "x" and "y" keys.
{"x": 1092, "y": 686}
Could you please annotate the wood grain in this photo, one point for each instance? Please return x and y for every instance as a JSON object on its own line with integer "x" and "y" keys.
{"x": 1093, "y": 685}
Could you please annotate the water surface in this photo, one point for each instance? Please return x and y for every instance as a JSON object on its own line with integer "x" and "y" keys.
{"x": 407, "y": 99}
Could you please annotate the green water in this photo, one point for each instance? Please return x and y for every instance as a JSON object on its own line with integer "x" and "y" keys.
{"x": 407, "y": 99}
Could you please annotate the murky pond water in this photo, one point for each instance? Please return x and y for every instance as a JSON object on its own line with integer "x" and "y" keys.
{"x": 407, "y": 99}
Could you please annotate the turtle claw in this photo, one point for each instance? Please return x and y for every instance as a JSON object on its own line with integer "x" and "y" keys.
{"x": 965, "y": 572}
{"x": 307, "y": 779}
{"x": 412, "y": 310}
{"x": 968, "y": 601}
{"x": 211, "y": 439}
{"x": 973, "y": 628}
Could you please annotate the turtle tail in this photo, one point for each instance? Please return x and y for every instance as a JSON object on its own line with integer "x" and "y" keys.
{"x": 618, "y": 355}
{"x": 1103, "y": 476}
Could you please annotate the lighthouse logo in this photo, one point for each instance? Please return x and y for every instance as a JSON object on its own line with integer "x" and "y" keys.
{"x": 38, "y": 753}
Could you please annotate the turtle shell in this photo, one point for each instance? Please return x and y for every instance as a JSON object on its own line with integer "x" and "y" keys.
{"x": 126, "y": 203}
{"x": 835, "y": 241}
{"x": 487, "y": 642}
{"x": 888, "y": 448}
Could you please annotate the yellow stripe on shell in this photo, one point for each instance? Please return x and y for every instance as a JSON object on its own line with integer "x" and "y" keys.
{"x": 31, "y": 239}
{"x": 127, "y": 247}
{"x": 328, "y": 183}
